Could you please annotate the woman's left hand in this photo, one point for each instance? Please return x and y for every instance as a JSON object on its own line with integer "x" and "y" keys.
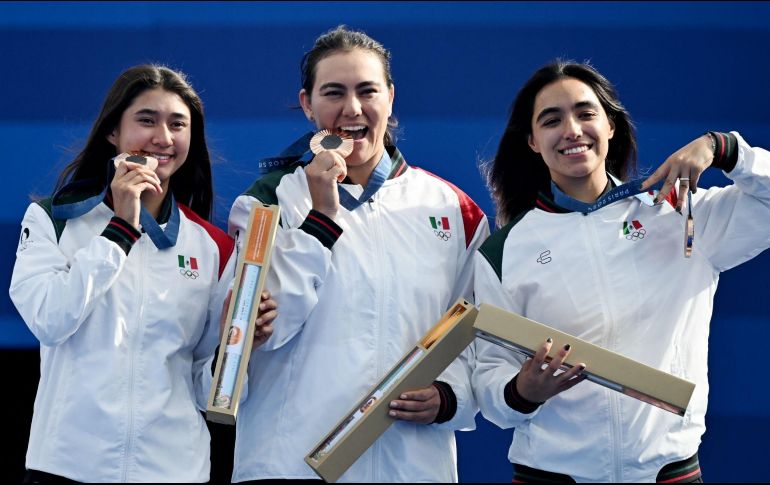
{"x": 268, "y": 310}
{"x": 419, "y": 406}
{"x": 686, "y": 164}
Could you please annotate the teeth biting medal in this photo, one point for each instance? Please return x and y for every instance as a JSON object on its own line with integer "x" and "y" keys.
{"x": 326, "y": 140}
{"x": 137, "y": 157}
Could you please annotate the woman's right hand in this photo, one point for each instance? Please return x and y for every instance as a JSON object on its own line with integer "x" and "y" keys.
{"x": 537, "y": 383}
{"x": 323, "y": 172}
{"x": 130, "y": 180}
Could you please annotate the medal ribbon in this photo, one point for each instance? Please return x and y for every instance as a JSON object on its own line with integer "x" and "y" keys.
{"x": 301, "y": 146}
{"x": 629, "y": 189}
{"x": 162, "y": 239}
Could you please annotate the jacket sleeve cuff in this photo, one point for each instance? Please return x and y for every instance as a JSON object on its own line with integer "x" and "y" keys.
{"x": 322, "y": 228}
{"x": 121, "y": 233}
{"x": 725, "y": 150}
{"x": 448, "y": 406}
{"x": 514, "y": 400}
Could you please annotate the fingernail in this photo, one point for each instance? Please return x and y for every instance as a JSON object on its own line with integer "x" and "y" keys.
{"x": 656, "y": 200}
{"x": 403, "y": 396}
{"x": 582, "y": 367}
{"x": 393, "y": 404}
{"x": 549, "y": 340}
{"x": 392, "y": 414}
{"x": 567, "y": 347}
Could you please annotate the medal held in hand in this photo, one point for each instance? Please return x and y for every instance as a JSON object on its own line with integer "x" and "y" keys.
{"x": 326, "y": 140}
{"x": 136, "y": 157}
{"x": 689, "y": 228}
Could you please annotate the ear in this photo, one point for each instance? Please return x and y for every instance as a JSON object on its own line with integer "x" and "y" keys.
{"x": 612, "y": 129}
{"x": 304, "y": 101}
{"x": 392, "y": 95}
{"x": 532, "y": 144}
{"x": 112, "y": 137}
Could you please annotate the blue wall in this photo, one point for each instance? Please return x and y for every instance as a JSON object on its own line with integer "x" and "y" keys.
{"x": 680, "y": 68}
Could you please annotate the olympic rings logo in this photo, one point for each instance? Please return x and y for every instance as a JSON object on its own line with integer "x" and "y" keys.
{"x": 442, "y": 235}
{"x": 193, "y": 275}
{"x": 636, "y": 235}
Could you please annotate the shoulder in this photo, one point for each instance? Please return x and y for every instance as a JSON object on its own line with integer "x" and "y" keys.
{"x": 264, "y": 189}
{"x": 224, "y": 243}
{"x": 47, "y": 206}
{"x": 493, "y": 248}
{"x": 471, "y": 213}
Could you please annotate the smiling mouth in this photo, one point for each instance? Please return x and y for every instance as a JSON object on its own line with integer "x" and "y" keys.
{"x": 160, "y": 157}
{"x": 356, "y": 132}
{"x": 575, "y": 150}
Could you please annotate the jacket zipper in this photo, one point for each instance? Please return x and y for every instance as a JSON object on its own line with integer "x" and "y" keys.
{"x": 132, "y": 335}
{"x": 377, "y": 238}
{"x": 610, "y": 336}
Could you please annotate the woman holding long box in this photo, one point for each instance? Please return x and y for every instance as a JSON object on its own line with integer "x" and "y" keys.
{"x": 585, "y": 249}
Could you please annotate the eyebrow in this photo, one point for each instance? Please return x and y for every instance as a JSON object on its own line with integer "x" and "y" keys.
{"x": 337, "y": 85}
{"x": 578, "y": 105}
{"x": 152, "y": 112}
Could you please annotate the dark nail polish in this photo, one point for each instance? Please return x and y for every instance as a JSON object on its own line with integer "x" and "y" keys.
{"x": 549, "y": 340}
{"x": 567, "y": 347}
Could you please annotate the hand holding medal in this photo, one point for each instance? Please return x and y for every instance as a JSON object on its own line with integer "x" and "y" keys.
{"x": 327, "y": 169}
{"x": 339, "y": 143}
{"x": 136, "y": 157}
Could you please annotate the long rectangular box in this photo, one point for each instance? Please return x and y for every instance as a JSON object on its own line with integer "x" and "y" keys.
{"x": 604, "y": 367}
{"x": 237, "y": 339}
{"x": 369, "y": 418}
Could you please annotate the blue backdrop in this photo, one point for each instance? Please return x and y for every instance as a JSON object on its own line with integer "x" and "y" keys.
{"x": 680, "y": 68}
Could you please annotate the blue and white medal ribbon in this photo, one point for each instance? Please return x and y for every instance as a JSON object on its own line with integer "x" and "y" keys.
{"x": 289, "y": 155}
{"x": 301, "y": 146}
{"x": 162, "y": 239}
{"x": 376, "y": 180}
{"x": 629, "y": 189}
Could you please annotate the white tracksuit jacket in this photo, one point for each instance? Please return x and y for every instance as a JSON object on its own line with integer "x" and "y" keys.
{"x": 123, "y": 343}
{"x": 347, "y": 314}
{"x": 637, "y": 296}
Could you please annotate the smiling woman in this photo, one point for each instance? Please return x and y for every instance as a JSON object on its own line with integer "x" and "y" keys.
{"x": 614, "y": 273}
{"x": 361, "y": 273}
{"x": 125, "y": 363}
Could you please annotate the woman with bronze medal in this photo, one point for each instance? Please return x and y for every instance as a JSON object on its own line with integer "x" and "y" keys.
{"x": 122, "y": 279}
{"x": 360, "y": 275}
{"x": 563, "y": 182}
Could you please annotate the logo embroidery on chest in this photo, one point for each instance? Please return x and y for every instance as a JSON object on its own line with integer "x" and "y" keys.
{"x": 441, "y": 227}
{"x": 188, "y": 267}
{"x": 633, "y": 231}
{"x": 545, "y": 257}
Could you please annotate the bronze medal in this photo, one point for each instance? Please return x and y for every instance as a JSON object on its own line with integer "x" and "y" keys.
{"x": 689, "y": 229}
{"x": 325, "y": 140}
{"x": 137, "y": 157}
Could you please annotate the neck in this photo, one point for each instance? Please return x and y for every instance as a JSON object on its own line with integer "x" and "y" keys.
{"x": 153, "y": 201}
{"x": 360, "y": 174}
{"x": 586, "y": 189}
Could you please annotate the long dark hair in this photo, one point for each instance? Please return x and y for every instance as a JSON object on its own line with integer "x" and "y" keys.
{"x": 192, "y": 184}
{"x": 517, "y": 173}
{"x": 343, "y": 39}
